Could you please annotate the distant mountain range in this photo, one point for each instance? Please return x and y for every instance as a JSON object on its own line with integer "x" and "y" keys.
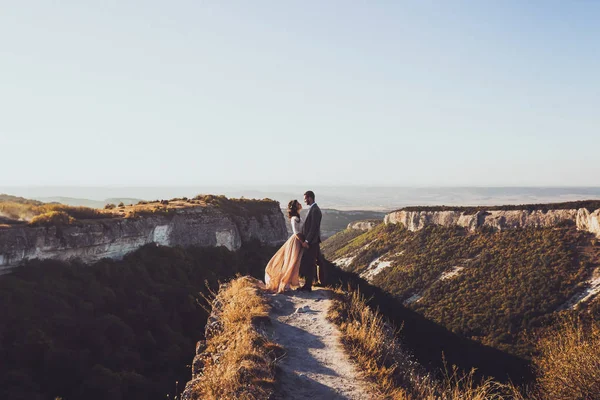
{"x": 73, "y": 201}
{"x": 332, "y": 197}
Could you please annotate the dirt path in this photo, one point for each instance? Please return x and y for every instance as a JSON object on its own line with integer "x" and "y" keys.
{"x": 316, "y": 366}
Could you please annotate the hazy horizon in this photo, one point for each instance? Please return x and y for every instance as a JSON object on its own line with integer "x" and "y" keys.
{"x": 313, "y": 93}
{"x": 336, "y": 197}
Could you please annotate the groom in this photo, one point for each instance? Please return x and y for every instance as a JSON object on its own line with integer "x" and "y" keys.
{"x": 312, "y": 234}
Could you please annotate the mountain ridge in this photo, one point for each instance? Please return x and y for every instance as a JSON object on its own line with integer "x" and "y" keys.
{"x": 204, "y": 221}
{"x": 585, "y": 215}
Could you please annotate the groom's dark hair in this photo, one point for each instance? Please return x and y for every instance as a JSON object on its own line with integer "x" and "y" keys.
{"x": 310, "y": 194}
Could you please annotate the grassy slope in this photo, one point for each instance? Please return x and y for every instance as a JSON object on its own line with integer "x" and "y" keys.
{"x": 511, "y": 280}
{"x": 18, "y": 210}
{"x": 338, "y": 241}
{"x": 239, "y": 359}
{"x": 432, "y": 345}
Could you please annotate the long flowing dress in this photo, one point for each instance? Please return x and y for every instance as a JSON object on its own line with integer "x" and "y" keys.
{"x": 282, "y": 272}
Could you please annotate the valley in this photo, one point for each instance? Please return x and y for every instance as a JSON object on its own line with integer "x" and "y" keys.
{"x": 471, "y": 288}
{"x": 494, "y": 284}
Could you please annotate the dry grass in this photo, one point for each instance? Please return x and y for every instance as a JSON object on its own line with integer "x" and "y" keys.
{"x": 568, "y": 363}
{"x": 17, "y": 211}
{"x": 239, "y": 360}
{"x": 27, "y": 212}
{"x": 373, "y": 344}
{"x": 14, "y": 210}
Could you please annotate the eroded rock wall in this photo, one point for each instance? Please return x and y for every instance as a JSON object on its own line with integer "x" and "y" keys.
{"x": 498, "y": 220}
{"x": 113, "y": 238}
{"x": 365, "y": 225}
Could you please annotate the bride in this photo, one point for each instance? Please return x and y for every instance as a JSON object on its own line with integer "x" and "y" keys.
{"x": 282, "y": 272}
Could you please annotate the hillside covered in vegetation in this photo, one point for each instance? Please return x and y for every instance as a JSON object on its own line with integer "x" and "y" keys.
{"x": 492, "y": 287}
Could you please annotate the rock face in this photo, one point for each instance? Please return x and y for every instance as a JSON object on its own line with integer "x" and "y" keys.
{"x": 92, "y": 240}
{"x": 589, "y": 221}
{"x": 213, "y": 327}
{"x": 365, "y": 225}
{"x": 498, "y": 220}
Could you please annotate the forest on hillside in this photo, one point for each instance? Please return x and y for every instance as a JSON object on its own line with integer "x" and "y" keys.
{"x": 505, "y": 284}
{"x": 112, "y": 330}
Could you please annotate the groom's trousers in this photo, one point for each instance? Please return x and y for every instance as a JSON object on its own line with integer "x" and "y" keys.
{"x": 308, "y": 265}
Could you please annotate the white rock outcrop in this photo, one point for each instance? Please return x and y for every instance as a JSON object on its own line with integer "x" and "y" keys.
{"x": 497, "y": 219}
{"x": 365, "y": 225}
{"x": 93, "y": 240}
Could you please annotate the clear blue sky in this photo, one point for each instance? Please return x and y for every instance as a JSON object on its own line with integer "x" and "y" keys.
{"x": 481, "y": 93}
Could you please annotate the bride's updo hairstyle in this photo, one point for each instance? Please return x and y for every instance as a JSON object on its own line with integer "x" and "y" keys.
{"x": 293, "y": 209}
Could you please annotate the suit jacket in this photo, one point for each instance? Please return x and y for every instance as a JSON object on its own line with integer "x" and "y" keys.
{"x": 312, "y": 225}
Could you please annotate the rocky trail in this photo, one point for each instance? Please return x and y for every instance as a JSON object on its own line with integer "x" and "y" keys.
{"x": 315, "y": 365}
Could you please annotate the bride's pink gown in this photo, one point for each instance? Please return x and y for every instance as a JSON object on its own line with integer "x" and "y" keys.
{"x": 283, "y": 270}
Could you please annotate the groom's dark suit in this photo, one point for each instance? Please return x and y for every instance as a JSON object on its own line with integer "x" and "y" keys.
{"x": 312, "y": 233}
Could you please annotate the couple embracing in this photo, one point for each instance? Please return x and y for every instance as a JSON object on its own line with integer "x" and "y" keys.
{"x": 298, "y": 256}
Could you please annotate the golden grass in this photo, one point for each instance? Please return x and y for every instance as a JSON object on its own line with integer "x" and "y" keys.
{"x": 27, "y": 212}
{"x": 568, "y": 363}
{"x": 373, "y": 344}
{"x": 367, "y": 338}
{"x": 239, "y": 360}
{"x": 18, "y": 211}
{"x": 52, "y": 218}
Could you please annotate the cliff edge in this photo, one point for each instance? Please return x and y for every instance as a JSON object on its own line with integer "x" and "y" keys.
{"x": 548, "y": 215}
{"x": 215, "y": 222}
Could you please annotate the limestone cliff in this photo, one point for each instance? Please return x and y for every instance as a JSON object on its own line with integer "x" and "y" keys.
{"x": 364, "y": 225}
{"x": 91, "y": 240}
{"x": 498, "y": 219}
